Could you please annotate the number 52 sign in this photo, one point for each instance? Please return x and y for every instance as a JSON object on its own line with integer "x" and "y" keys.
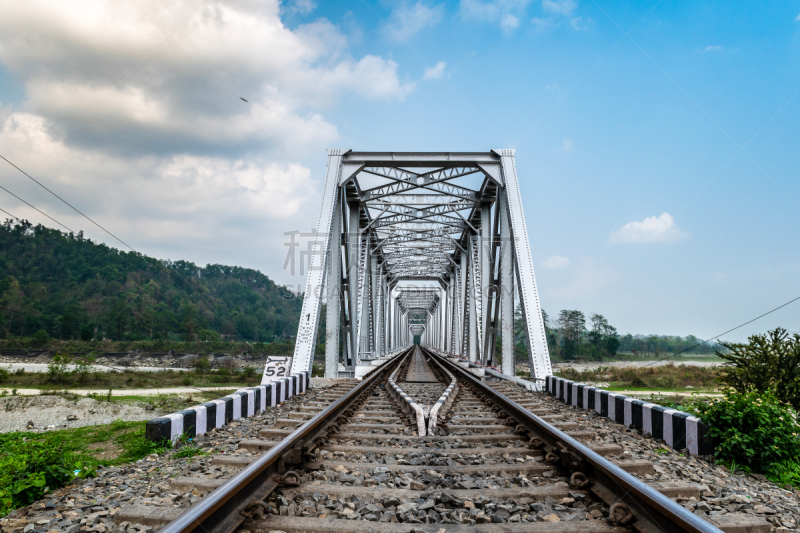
{"x": 277, "y": 367}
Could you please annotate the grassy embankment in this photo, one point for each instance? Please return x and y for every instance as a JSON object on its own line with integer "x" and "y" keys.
{"x": 670, "y": 377}
{"x": 33, "y": 464}
{"x": 64, "y": 378}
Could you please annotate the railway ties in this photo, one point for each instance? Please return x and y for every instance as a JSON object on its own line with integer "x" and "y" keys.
{"x": 475, "y": 474}
{"x": 480, "y": 468}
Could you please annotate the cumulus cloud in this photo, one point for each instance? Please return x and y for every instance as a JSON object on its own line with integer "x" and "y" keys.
{"x": 504, "y": 13}
{"x": 556, "y": 262}
{"x": 142, "y": 104}
{"x": 407, "y": 19}
{"x": 652, "y": 229}
{"x": 435, "y": 72}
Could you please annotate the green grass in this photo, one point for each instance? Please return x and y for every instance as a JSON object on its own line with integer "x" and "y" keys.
{"x": 656, "y": 378}
{"x": 33, "y": 464}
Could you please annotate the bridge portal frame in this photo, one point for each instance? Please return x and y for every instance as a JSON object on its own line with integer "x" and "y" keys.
{"x": 420, "y": 225}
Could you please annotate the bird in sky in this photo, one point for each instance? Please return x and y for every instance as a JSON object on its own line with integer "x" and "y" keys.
{"x": 243, "y": 100}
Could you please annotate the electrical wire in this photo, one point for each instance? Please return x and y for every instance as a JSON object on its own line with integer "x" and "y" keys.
{"x": 721, "y": 334}
{"x": 29, "y": 205}
{"x": 64, "y": 201}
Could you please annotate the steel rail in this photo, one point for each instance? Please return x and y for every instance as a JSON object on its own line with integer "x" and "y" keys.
{"x": 220, "y": 511}
{"x": 653, "y": 510}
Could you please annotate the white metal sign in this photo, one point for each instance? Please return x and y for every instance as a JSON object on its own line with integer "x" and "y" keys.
{"x": 277, "y": 367}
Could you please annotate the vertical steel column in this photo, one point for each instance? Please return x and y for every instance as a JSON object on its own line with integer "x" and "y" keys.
{"x": 528, "y": 293}
{"x": 333, "y": 284}
{"x": 376, "y": 306}
{"x": 473, "y": 293}
{"x": 464, "y": 305}
{"x": 306, "y": 339}
{"x": 485, "y": 243}
{"x": 506, "y": 325}
{"x": 353, "y": 255}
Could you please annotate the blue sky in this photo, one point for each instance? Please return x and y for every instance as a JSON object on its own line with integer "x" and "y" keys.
{"x": 656, "y": 142}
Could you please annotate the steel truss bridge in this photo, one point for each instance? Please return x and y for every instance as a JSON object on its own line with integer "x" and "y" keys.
{"x": 428, "y": 244}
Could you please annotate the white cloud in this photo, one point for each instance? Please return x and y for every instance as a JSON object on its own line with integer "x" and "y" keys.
{"x": 301, "y": 6}
{"x": 407, "y": 20}
{"x": 159, "y": 130}
{"x": 509, "y": 22}
{"x": 567, "y": 145}
{"x": 652, "y": 229}
{"x": 435, "y": 72}
{"x": 540, "y": 24}
{"x": 504, "y": 13}
{"x": 556, "y": 262}
{"x": 561, "y": 7}
{"x": 713, "y": 48}
{"x": 797, "y": 18}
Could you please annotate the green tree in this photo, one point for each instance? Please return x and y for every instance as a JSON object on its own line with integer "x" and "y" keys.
{"x": 571, "y": 327}
{"x": 766, "y": 363}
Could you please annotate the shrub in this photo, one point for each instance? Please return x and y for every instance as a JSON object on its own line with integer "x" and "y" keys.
{"x": 755, "y": 431}
{"x": 768, "y": 362}
{"x": 40, "y": 339}
{"x": 31, "y": 468}
{"x": 58, "y": 367}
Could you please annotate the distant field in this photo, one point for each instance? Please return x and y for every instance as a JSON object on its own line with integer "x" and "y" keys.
{"x": 127, "y": 379}
{"x": 668, "y": 377}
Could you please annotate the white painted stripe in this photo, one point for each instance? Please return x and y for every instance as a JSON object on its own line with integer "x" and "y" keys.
{"x": 262, "y": 394}
{"x": 598, "y": 395}
{"x": 283, "y": 390}
{"x": 272, "y": 392}
{"x": 237, "y": 406}
{"x": 176, "y": 425}
{"x": 220, "y": 413}
{"x": 647, "y": 418}
{"x": 612, "y": 405}
{"x": 692, "y": 435}
{"x": 251, "y": 402}
{"x": 201, "y": 418}
{"x": 628, "y": 414}
{"x": 669, "y": 438}
{"x": 575, "y": 394}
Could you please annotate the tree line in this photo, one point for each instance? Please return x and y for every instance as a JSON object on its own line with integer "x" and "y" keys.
{"x": 65, "y": 286}
{"x": 571, "y": 336}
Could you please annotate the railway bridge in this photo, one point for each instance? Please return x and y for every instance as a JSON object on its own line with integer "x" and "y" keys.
{"x": 432, "y": 249}
{"x": 420, "y": 246}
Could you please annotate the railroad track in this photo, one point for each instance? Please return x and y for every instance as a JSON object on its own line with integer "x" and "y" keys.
{"x": 492, "y": 457}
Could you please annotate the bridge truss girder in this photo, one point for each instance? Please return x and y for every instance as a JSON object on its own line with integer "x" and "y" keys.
{"x": 402, "y": 235}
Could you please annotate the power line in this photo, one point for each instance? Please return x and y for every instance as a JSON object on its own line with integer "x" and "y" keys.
{"x": 29, "y": 205}
{"x": 65, "y": 202}
{"x": 721, "y": 334}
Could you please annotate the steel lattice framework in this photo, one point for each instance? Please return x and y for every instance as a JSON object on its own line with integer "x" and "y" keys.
{"x": 432, "y": 244}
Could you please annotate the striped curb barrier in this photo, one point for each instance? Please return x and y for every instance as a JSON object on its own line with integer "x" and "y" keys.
{"x": 405, "y": 402}
{"x": 243, "y": 403}
{"x": 677, "y": 428}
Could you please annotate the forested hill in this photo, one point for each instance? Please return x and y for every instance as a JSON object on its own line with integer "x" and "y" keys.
{"x": 74, "y": 288}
